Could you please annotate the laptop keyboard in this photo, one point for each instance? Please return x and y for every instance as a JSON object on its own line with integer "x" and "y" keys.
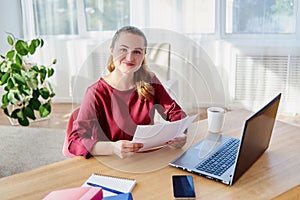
{"x": 221, "y": 160}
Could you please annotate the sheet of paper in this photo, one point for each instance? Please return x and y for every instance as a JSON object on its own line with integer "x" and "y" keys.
{"x": 158, "y": 134}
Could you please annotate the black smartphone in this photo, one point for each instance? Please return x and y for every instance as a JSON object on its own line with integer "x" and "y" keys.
{"x": 183, "y": 187}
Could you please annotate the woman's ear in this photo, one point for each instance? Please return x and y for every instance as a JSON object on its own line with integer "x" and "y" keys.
{"x": 111, "y": 49}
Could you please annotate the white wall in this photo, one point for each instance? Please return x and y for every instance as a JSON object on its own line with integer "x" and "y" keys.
{"x": 10, "y": 21}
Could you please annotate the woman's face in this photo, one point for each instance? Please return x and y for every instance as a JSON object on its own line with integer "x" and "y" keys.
{"x": 128, "y": 52}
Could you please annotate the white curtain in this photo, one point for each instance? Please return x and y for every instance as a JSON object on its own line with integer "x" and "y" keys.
{"x": 82, "y": 59}
{"x": 184, "y": 16}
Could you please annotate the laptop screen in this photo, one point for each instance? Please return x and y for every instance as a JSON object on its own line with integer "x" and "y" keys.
{"x": 256, "y": 137}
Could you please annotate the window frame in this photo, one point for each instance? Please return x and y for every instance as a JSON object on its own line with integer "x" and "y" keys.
{"x": 220, "y": 26}
{"x": 255, "y": 36}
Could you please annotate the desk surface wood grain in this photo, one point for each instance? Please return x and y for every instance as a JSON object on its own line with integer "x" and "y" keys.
{"x": 274, "y": 175}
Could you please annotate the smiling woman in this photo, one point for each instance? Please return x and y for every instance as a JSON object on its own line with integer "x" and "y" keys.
{"x": 127, "y": 55}
{"x": 118, "y": 102}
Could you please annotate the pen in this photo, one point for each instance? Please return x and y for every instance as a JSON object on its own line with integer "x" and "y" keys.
{"x": 105, "y": 188}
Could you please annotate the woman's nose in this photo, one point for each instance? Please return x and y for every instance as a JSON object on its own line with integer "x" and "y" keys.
{"x": 130, "y": 56}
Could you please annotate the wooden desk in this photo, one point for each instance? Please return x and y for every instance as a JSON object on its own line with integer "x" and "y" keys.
{"x": 274, "y": 176}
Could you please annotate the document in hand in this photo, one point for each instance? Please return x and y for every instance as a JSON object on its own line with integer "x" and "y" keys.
{"x": 153, "y": 136}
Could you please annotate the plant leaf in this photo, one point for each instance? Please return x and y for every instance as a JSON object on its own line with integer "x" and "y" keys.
{"x": 44, "y": 93}
{"x": 10, "y": 55}
{"x": 25, "y": 90}
{"x": 36, "y": 94}
{"x": 19, "y": 59}
{"x": 31, "y": 74}
{"x": 16, "y": 67}
{"x": 21, "y": 47}
{"x": 35, "y": 68}
{"x": 33, "y": 45}
{"x": 28, "y": 111}
{"x": 10, "y": 82}
{"x": 45, "y": 109}
{"x": 17, "y": 95}
{"x": 50, "y": 72}
{"x": 32, "y": 83}
{"x": 5, "y": 99}
{"x": 42, "y": 43}
{"x": 10, "y": 40}
{"x": 11, "y": 97}
{"x": 5, "y": 110}
{"x": 43, "y": 73}
{"x": 34, "y": 103}
{"x": 19, "y": 79}
{"x": 15, "y": 113}
{"x": 49, "y": 87}
{"x": 31, "y": 49}
{"x": 3, "y": 66}
{"x": 4, "y": 78}
{"x": 23, "y": 121}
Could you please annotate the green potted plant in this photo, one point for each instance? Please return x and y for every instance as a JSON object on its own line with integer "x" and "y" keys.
{"x": 26, "y": 90}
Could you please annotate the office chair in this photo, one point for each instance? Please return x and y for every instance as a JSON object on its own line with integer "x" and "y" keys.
{"x": 65, "y": 149}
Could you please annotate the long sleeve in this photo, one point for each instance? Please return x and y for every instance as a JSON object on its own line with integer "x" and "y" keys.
{"x": 101, "y": 118}
{"x": 165, "y": 105}
{"x": 85, "y": 126}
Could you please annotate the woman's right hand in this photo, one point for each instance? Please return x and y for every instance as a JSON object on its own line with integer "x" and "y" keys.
{"x": 126, "y": 148}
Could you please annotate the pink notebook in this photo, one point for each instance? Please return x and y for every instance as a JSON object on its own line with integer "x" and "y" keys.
{"x": 79, "y": 193}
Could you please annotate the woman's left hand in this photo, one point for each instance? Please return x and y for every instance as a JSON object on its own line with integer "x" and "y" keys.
{"x": 177, "y": 142}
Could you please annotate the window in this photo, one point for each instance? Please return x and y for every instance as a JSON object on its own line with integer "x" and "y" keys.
{"x": 65, "y": 17}
{"x": 199, "y": 16}
{"x": 76, "y": 17}
{"x": 55, "y": 17}
{"x": 106, "y": 15}
{"x": 260, "y": 16}
{"x": 190, "y": 17}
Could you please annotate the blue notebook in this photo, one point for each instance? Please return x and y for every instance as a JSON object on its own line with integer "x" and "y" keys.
{"x": 125, "y": 196}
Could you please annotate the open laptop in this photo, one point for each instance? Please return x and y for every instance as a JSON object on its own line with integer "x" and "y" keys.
{"x": 224, "y": 158}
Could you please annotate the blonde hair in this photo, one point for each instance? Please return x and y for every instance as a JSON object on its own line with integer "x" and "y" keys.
{"x": 143, "y": 75}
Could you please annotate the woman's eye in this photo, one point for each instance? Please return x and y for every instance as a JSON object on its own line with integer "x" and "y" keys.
{"x": 137, "y": 52}
{"x": 123, "y": 50}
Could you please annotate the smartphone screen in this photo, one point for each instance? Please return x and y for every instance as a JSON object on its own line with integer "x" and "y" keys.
{"x": 183, "y": 187}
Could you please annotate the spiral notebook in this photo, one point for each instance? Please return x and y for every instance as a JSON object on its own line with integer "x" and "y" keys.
{"x": 110, "y": 185}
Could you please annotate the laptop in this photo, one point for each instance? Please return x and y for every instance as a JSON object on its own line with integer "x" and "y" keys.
{"x": 224, "y": 158}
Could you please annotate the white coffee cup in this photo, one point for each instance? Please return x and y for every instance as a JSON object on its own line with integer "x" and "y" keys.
{"x": 215, "y": 117}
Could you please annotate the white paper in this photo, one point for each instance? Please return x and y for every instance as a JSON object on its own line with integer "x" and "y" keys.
{"x": 158, "y": 134}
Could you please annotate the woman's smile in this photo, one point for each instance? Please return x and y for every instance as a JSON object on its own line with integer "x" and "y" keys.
{"x": 129, "y": 64}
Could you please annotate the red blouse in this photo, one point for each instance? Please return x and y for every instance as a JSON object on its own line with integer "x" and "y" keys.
{"x": 108, "y": 114}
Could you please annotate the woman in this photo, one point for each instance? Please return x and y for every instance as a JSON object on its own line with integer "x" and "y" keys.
{"x": 118, "y": 102}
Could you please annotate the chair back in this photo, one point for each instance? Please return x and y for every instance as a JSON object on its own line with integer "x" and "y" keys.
{"x": 65, "y": 149}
